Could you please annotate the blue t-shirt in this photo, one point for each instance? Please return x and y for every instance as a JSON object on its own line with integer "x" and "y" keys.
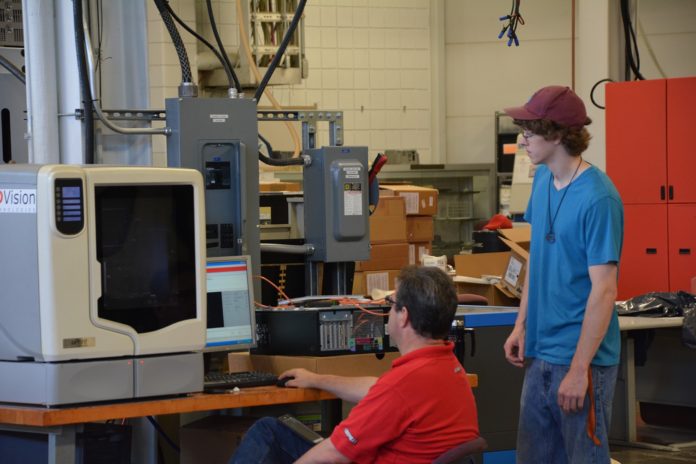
{"x": 588, "y": 231}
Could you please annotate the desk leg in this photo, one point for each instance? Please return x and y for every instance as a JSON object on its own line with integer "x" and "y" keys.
{"x": 331, "y": 415}
{"x": 61, "y": 444}
{"x": 144, "y": 441}
{"x": 630, "y": 426}
{"x": 629, "y": 373}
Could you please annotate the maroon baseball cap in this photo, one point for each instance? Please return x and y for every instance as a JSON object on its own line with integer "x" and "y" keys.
{"x": 555, "y": 103}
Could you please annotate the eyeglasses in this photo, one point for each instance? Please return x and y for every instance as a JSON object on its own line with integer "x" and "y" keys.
{"x": 526, "y": 135}
{"x": 390, "y": 299}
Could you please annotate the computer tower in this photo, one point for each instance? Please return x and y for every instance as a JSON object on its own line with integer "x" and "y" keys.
{"x": 323, "y": 331}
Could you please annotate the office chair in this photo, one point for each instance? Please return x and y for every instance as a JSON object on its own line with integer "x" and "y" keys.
{"x": 471, "y": 299}
{"x": 464, "y": 453}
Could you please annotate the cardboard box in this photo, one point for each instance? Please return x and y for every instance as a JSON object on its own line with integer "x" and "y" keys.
{"x": 480, "y": 264}
{"x": 365, "y": 282}
{"x": 348, "y": 365}
{"x": 390, "y": 206}
{"x": 419, "y": 228}
{"x": 385, "y": 256}
{"x": 520, "y": 235}
{"x": 515, "y": 271}
{"x": 420, "y": 201}
{"x": 279, "y": 187}
{"x": 485, "y": 264}
{"x": 388, "y": 222}
{"x": 212, "y": 439}
{"x": 417, "y": 250}
{"x": 510, "y": 266}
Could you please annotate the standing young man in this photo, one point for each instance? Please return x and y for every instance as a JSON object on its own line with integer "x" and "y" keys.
{"x": 567, "y": 333}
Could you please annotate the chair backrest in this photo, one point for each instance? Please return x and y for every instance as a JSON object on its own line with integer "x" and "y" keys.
{"x": 460, "y": 453}
{"x": 472, "y": 299}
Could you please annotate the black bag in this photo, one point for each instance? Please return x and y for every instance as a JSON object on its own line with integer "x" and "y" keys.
{"x": 689, "y": 327}
{"x": 662, "y": 304}
{"x": 657, "y": 304}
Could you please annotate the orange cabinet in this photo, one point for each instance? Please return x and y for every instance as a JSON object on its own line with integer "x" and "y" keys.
{"x": 651, "y": 158}
{"x": 636, "y": 135}
{"x": 682, "y": 246}
{"x": 645, "y": 257}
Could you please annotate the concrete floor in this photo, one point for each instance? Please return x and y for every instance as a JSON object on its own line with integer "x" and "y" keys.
{"x": 645, "y": 456}
{"x": 662, "y": 436}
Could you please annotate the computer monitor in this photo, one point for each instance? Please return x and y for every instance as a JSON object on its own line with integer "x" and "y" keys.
{"x": 231, "y": 318}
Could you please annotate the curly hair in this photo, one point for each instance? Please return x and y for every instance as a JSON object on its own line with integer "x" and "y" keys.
{"x": 574, "y": 139}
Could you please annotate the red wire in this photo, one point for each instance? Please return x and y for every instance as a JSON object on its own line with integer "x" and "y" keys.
{"x": 347, "y": 301}
{"x": 283, "y": 294}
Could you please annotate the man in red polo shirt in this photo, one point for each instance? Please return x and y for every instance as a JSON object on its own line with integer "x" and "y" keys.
{"x": 422, "y": 407}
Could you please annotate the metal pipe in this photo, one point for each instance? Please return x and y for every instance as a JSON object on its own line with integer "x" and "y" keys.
{"x": 97, "y": 107}
{"x": 12, "y": 69}
{"x": 69, "y": 98}
{"x": 307, "y": 249}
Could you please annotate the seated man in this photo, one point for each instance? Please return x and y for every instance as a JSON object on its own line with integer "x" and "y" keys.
{"x": 422, "y": 407}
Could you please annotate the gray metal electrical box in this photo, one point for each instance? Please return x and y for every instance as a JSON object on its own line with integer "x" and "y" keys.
{"x": 218, "y": 137}
{"x": 336, "y": 214}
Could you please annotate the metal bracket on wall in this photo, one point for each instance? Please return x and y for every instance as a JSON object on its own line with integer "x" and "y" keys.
{"x": 309, "y": 121}
{"x": 128, "y": 115}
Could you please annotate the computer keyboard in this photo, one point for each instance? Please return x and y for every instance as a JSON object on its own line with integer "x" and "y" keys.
{"x": 219, "y": 381}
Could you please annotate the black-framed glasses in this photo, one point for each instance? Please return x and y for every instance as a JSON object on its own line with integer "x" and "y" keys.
{"x": 526, "y": 135}
{"x": 390, "y": 299}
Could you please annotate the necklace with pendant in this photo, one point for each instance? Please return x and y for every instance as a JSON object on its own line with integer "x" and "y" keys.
{"x": 551, "y": 236}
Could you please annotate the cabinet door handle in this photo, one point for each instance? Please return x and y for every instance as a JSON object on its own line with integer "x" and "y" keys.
{"x": 685, "y": 251}
{"x": 662, "y": 192}
{"x": 472, "y": 334}
{"x": 671, "y": 192}
{"x": 651, "y": 251}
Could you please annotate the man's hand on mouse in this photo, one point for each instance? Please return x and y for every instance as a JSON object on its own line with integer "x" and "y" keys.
{"x": 302, "y": 378}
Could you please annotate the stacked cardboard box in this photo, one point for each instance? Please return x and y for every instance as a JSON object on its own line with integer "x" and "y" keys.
{"x": 401, "y": 231}
{"x": 277, "y": 186}
{"x": 388, "y": 248}
{"x": 421, "y": 206}
{"x": 510, "y": 266}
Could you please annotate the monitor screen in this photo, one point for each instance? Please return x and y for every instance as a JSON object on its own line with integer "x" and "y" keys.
{"x": 231, "y": 318}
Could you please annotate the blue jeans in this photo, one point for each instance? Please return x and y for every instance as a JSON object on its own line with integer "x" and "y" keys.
{"x": 268, "y": 441}
{"x": 546, "y": 434}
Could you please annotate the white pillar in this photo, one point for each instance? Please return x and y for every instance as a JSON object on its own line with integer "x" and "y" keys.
{"x": 592, "y": 64}
{"x": 438, "y": 88}
{"x": 42, "y": 114}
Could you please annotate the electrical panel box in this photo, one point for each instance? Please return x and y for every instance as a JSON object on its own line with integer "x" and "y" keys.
{"x": 336, "y": 214}
{"x": 218, "y": 137}
{"x": 322, "y": 331}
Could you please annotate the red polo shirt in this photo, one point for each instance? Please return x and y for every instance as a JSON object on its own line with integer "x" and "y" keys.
{"x": 420, "y": 408}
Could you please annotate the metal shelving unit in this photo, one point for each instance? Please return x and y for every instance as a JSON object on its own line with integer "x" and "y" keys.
{"x": 267, "y": 21}
{"x": 467, "y": 193}
{"x": 505, "y": 132}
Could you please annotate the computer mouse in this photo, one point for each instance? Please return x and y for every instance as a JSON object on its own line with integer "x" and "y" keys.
{"x": 284, "y": 380}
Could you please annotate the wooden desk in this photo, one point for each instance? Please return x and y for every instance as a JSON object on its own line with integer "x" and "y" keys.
{"x": 62, "y": 424}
